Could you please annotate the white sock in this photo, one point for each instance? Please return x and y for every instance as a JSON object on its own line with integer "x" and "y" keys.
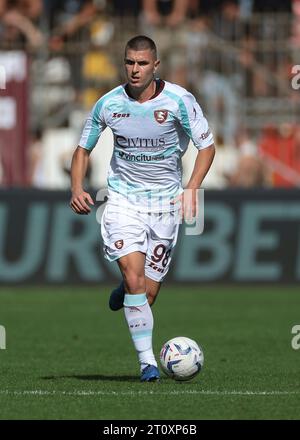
{"x": 139, "y": 318}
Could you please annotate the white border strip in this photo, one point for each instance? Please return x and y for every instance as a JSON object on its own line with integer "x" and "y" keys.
{"x": 79, "y": 393}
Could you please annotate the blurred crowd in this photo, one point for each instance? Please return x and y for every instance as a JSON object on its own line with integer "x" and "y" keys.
{"x": 55, "y": 22}
{"x": 236, "y": 56}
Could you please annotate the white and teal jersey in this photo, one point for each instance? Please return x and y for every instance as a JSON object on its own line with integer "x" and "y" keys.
{"x": 149, "y": 140}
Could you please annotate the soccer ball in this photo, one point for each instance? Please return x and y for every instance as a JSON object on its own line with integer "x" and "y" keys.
{"x": 181, "y": 358}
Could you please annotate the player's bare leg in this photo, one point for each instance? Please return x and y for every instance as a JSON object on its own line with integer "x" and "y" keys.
{"x": 132, "y": 267}
{"x": 117, "y": 296}
{"x": 152, "y": 290}
{"x": 138, "y": 313}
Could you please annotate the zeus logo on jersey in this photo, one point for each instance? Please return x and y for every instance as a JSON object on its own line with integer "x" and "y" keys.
{"x": 121, "y": 115}
{"x": 205, "y": 135}
{"x": 122, "y": 141}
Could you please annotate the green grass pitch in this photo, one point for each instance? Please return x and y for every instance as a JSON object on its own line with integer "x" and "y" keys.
{"x": 68, "y": 356}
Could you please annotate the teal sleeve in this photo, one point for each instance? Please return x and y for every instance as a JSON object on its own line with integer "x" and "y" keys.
{"x": 93, "y": 127}
{"x": 194, "y": 122}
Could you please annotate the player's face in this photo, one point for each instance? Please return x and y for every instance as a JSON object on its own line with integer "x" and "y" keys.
{"x": 140, "y": 67}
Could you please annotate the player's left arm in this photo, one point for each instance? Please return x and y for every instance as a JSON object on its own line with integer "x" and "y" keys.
{"x": 202, "y": 164}
{"x": 196, "y": 126}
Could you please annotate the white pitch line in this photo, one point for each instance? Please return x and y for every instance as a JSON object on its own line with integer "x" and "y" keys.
{"x": 79, "y": 393}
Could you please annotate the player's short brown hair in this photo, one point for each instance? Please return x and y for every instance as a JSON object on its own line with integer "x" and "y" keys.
{"x": 141, "y": 42}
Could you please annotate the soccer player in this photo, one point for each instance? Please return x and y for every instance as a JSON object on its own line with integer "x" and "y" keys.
{"x": 152, "y": 123}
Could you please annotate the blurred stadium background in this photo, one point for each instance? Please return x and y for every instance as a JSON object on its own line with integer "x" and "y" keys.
{"x": 241, "y": 59}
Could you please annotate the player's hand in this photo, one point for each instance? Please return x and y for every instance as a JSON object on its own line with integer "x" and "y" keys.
{"x": 80, "y": 202}
{"x": 188, "y": 204}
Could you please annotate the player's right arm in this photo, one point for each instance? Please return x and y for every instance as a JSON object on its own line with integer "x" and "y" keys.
{"x": 92, "y": 130}
{"x": 80, "y": 199}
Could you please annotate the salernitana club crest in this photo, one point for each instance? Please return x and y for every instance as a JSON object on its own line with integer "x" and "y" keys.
{"x": 161, "y": 115}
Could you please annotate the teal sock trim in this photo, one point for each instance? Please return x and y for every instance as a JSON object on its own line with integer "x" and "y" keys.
{"x": 135, "y": 300}
{"x": 141, "y": 335}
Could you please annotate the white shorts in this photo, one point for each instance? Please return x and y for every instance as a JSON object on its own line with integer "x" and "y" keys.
{"x": 154, "y": 234}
